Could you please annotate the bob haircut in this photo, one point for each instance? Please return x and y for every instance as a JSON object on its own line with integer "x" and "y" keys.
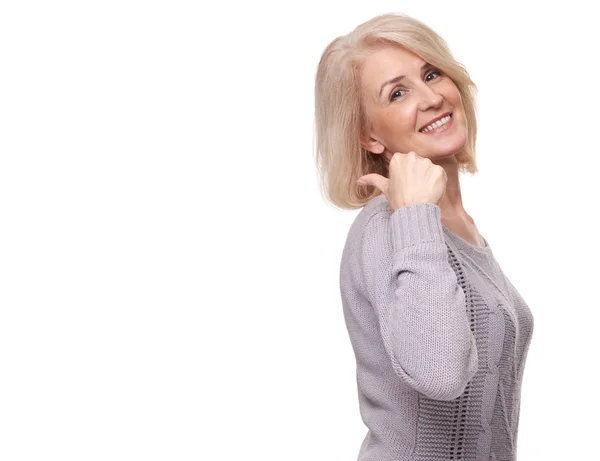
{"x": 340, "y": 118}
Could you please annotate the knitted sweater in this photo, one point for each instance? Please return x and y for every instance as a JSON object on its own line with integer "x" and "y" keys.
{"x": 440, "y": 338}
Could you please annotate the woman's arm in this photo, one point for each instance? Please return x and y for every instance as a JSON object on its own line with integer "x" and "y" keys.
{"x": 419, "y": 303}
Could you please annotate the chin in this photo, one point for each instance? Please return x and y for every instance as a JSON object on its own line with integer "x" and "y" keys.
{"x": 451, "y": 147}
{"x": 451, "y": 144}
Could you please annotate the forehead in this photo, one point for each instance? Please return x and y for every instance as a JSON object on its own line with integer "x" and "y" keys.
{"x": 386, "y": 63}
{"x": 391, "y": 59}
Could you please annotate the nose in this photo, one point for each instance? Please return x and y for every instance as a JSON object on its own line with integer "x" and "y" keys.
{"x": 429, "y": 98}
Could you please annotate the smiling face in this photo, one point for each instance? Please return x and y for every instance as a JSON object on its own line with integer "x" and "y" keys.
{"x": 399, "y": 110}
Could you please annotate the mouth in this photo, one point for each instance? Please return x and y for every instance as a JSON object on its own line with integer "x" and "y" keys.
{"x": 441, "y": 121}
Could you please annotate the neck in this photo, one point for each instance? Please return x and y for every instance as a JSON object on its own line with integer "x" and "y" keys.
{"x": 451, "y": 205}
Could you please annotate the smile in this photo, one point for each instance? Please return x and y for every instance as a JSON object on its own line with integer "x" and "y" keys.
{"x": 434, "y": 127}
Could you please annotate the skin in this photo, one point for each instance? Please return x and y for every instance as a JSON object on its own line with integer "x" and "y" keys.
{"x": 405, "y": 107}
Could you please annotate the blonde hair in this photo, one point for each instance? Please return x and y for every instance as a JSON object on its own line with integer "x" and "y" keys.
{"x": 340, "y": 118}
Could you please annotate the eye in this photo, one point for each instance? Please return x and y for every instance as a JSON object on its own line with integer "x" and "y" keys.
{"x": 439, "y": 73}
{"x": 394, "y": 97}
{"x": 431, "y": 73}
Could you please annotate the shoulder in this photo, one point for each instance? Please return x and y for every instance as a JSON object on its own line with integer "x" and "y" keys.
{"x": 378, "y": 208}
{"x": 375, "y": 213}
{"x": 378, "y": 230}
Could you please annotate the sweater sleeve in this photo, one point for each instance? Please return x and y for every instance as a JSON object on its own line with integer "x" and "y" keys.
{"x": 419, "y": 304}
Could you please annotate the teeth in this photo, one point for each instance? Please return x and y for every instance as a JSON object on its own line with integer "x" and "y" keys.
{"x": 437, "y": 124}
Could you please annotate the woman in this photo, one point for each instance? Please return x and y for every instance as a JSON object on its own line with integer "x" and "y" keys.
{"x": 439, "y": 333}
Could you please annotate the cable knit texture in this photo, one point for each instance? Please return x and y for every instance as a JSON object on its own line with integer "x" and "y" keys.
{"x": 440, "y": 337}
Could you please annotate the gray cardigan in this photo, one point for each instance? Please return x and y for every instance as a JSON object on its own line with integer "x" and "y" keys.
{"x": 440, "y": 337}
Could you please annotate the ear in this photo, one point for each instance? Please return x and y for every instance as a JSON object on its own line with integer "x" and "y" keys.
{"x": 372, "y": 145}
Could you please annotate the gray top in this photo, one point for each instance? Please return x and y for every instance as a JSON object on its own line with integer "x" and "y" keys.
{"x": 440, "y": 337}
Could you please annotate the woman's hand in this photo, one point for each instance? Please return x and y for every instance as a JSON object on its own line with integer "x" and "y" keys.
{"x": 413, "y": 179}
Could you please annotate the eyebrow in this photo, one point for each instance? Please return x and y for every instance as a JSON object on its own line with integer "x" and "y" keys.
{"x": 397, "y": 79}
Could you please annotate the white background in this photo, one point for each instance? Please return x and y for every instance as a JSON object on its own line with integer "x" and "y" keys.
{"x": 169, "y": 270}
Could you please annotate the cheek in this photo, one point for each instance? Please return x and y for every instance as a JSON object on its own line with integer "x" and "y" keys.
{"x": 453, "y": 96}
{"x": 457, "y": 101}
{"x": 402, "y": 121}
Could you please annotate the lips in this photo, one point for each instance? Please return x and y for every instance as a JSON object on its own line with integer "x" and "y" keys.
{"x": 434, "y": 120}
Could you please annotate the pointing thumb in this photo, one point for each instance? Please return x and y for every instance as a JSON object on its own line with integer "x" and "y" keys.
{"x": 373, "y": 179}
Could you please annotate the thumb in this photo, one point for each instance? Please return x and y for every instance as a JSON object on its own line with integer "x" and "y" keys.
{"x": 374, "y": 179}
